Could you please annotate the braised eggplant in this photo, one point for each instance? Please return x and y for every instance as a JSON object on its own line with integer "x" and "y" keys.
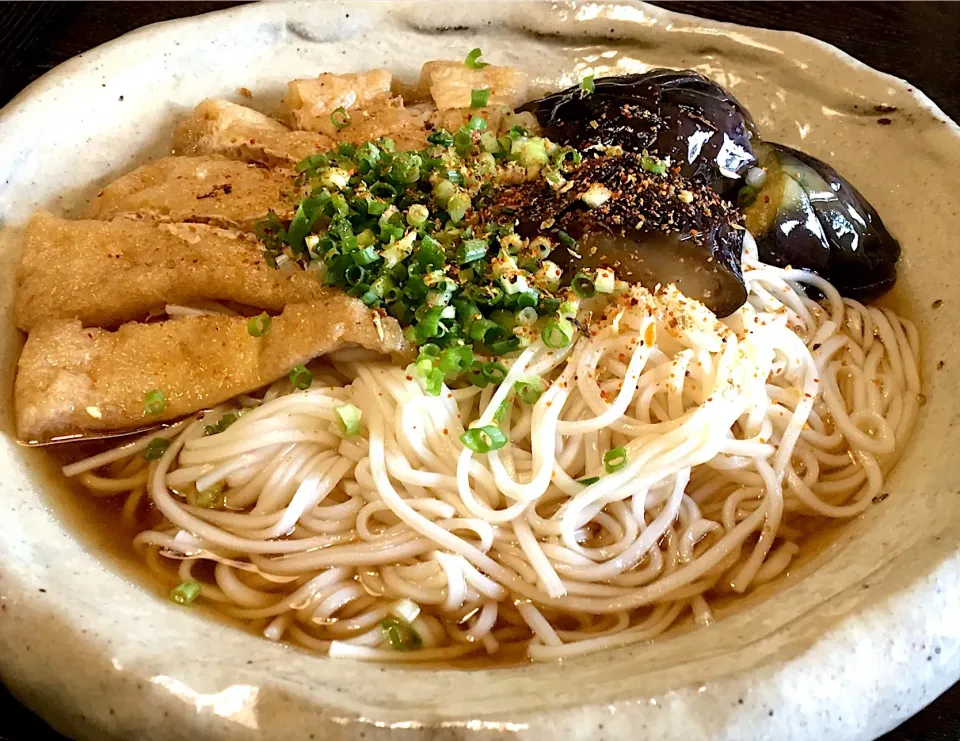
{"x": 677, "y": 114}
{"x": 808, "y": 216}
{"x": 650, "y": 227}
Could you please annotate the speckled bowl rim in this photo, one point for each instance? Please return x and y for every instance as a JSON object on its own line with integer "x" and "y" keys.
{"x": 855, "y": 644}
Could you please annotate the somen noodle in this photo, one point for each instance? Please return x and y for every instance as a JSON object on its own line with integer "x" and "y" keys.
{"x": 670, "y": 459}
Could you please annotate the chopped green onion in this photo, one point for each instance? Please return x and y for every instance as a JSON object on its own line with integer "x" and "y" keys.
{"x": 185, "y": 592}
{"x": 583, "y": 285}
{"x": 502, "y": 347}
{"x": 434, "y": 382}
{"x": 483, "y": 330}
{"x": 154, "y": 402}
{"x": 400, "y": 635}
{"x": 529, "y": 389}
{"x": 472, "y": 249}
{"x": 605, "y": 280}
{"x": 340, "y": 118}
{"x": 588, "y": 480}
{"x": 301, "y": 377}
{"x": 223, "y": 423}
{"x": 586, "y": 85}
{"x": 429, "y": 351}
{"x": 365, "y": 256}
{"x": 502, "y": 410}
{"x": 494, "y": 372}
{"x": 258, "y": 326}
{"x": 156, "y": 448}
{"x": 457, "y": 206}
{"x": 211, "y": 497}
{"x": 557, "y": 334}
{"x": 615, "y": 459}
{"x": 429, "y": 326}
{"x": 566, "y": 239}
{"x": 348, "y": 417}
{"x": 417, "y": 215}
{"x": 442, "y": 138}
{"x": 569, "y": 309}
{"x": 652, "y": 164}
{"x": 527, "y": 316}
{"x": 566, "y": 154}
{"x": 746, "y": 195}
{"x": 479, "y": 98}
{"x": 473, "y": 59}
{"x": 484, "y": 439}
{"x": 475, "y": 124}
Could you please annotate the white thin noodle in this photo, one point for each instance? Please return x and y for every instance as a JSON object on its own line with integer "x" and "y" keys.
{"x": 740, "y": 436}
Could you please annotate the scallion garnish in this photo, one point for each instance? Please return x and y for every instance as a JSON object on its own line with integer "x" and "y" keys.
{"x": 399, "y": 635}
{"x": 301, "y": 377}
{"x": 223, "y": 423}
{"x": 484, "y": 439}
{"x": 348, "y": 418}
{"x": 494, "y": 372}
{"x": 588, "y": 480}
{"x": 556, "y": 335}
{"x": 583, "y": 285}
{"x": 185, "y": 592}
{"x": 457, "y": 206}
{"x": 156, "y": 448}
{"x": 442, "y": 138}
{"x": 472, "y": 249}
{"x": 746, "y": 195}
{"x": 615, "y": 459}
{"x": 566, "y": 240}
{"x": 587, "y": 86}
{"x": 479, "y": 98}
{"x": 340, "y": 118}
{"x": 258, "y": 326}
{"x": 473, "y": 59}
{"x": 433, "y": 384}
{"x": 211, "y": 497}
{"x": 529, "y": 389}
{"x": 154, "y": 402}
{"x": 652, "y": 164}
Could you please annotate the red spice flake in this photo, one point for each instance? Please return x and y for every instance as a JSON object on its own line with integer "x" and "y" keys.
{"x": 409, "y": 378}
{"x": 245, "y": 92}
{"x": 446, "y": 431}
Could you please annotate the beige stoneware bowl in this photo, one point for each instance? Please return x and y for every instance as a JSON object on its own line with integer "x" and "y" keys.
{"x": 858, "y": 636}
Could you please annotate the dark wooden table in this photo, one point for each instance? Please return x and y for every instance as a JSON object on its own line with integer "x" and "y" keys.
{"x": 919, "y": 42}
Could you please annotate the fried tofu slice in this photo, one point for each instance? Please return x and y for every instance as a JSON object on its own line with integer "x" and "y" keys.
{"x": 72, "y": 380}
{"x": 241, "y": 133}
{"x": 451, "y": 84}
{"x": 104, "y": 273}
{"x": 207, "y": 190}
{"x": 373, "y": 111}
{"x": 310, "y": 103}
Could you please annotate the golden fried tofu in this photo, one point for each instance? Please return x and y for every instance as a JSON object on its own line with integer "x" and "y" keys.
{"x": 310, "y": 103}
{"x": 107, "y": 272}
{"x": 450, "y": 84}
{"x": 366, "y": 97}
{"x": 71, "y": 379}
{"x": 208, "y": 190}
{"x": 241, "y": 133}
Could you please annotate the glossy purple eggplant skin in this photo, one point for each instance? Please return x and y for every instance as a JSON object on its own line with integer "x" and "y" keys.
{"x": 821, "y": 223}
{"x": 680, "y": 114}
{"x": 652, "y": 229}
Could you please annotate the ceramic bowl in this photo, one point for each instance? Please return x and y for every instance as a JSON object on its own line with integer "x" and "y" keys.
{"x": 857, "y": 637}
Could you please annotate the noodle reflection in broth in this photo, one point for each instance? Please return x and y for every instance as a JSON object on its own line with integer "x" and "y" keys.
{"x": 735, "y": 435}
